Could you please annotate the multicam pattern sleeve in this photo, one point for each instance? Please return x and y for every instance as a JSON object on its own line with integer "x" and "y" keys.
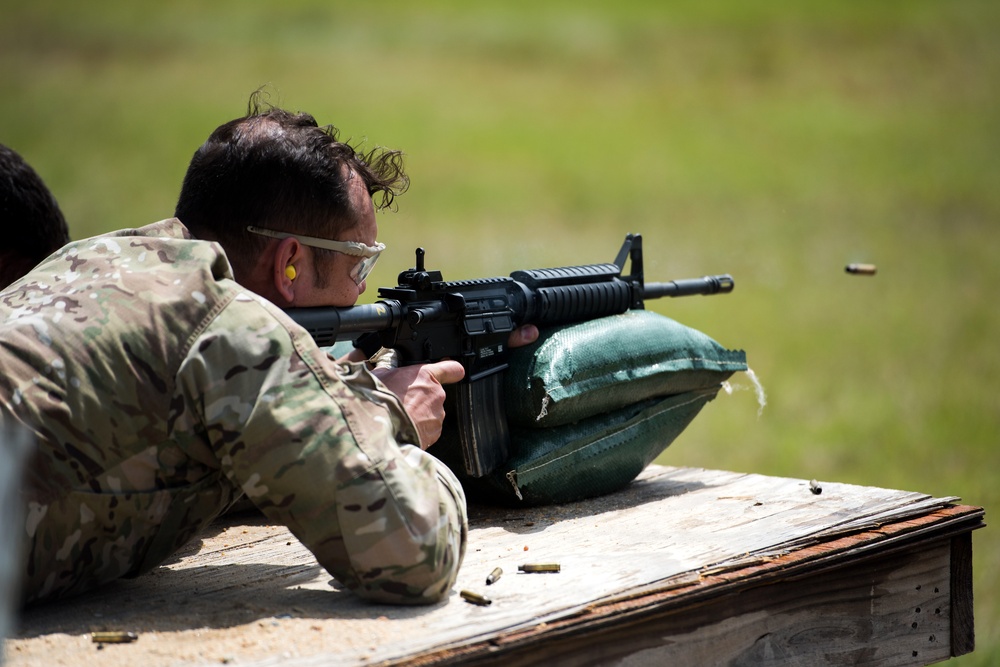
{"x": 157, "y": 389}
{"x": 323, "y": 448}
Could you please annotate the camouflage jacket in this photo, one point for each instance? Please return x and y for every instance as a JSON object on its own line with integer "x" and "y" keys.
{"x": 160, "y": 390}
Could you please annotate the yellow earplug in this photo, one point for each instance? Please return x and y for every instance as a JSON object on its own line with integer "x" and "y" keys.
{"x": 290, "y": 272}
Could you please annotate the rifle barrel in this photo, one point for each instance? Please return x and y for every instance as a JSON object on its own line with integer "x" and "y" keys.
{"x": 720, "y": 284}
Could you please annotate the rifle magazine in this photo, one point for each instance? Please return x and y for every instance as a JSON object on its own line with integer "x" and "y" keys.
{"x": 478, "y": 410}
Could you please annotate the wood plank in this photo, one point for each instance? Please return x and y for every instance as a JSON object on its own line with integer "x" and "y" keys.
{"x": 657, "y": 615}
{"x": 260, "y": 596}
{"x": 963, "y": 633}
{"x": 890, "y": 611}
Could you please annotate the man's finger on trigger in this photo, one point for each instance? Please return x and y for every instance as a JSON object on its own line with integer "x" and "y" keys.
{"x": 447, "y": 372}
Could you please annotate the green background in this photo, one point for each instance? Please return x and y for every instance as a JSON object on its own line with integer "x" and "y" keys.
{"x": 775, "y": 141}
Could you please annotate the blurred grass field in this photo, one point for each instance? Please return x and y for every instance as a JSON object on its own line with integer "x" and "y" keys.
{"x": 775, "y": 141}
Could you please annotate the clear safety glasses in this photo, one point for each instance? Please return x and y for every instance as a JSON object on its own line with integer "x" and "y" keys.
{"x": 368, "y": 254}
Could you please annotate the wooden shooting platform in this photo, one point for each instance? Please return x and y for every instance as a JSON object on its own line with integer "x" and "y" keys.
{"x": 685, "y": 566}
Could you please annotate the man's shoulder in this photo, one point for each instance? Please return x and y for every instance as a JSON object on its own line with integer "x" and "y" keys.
{"x": 144, "y": 255}
{"x": 154, "y": 282}
{"x": 166, "y": 228}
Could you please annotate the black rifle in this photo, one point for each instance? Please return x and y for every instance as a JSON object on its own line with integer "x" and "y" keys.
{"x": 426, "y": 319}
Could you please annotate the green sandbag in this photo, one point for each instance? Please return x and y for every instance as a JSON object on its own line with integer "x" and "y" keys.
{"x": 590, "y": 405}
{"x": 590, "y": 458}
{"x": 576, "y": 371}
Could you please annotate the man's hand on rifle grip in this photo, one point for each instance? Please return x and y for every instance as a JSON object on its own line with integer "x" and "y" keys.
{"x": 420, "y": 389}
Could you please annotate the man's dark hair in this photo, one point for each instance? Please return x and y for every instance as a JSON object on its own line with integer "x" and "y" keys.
{"x": 279, "y": 170}
{"x": 31, "y": 224}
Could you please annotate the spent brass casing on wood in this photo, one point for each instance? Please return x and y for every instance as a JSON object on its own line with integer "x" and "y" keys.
{"x": 113, "y": 637}
{"x": 475, "y": 598}
{"x": 539, "y": 567}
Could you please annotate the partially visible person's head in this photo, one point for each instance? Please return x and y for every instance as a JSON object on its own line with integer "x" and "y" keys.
{"x": 280, "y": 171}
{"x": 32, "y": 226}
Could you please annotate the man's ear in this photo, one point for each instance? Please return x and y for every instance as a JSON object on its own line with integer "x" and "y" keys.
{"x": 284, "y": 271}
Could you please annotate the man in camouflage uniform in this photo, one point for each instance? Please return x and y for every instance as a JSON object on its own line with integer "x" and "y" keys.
{"x": 163, "y": 381}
